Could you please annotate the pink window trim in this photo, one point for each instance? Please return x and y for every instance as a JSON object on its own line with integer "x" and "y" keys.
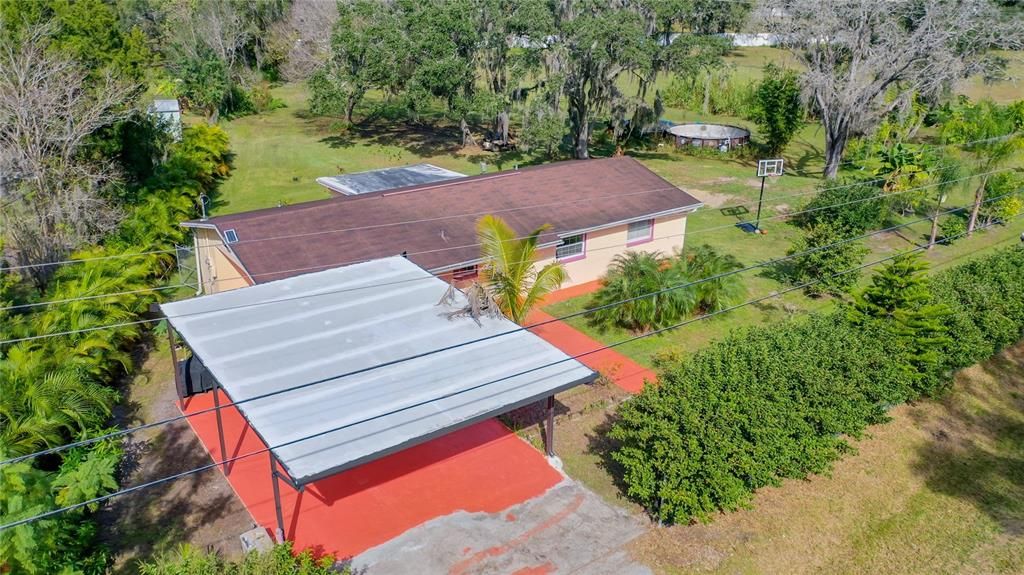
{"x": 575, "y": 258}
{"x": 649, "y": 238}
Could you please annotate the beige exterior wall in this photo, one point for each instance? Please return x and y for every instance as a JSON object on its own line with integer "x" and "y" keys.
{"x": 603, "y": 245}
{"x": 217, "y": 268}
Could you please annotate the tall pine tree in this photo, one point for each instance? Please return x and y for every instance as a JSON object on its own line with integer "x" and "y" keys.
{"x": 900, "y": 299}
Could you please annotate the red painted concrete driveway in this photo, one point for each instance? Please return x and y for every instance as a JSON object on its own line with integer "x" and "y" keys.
{"x": 482, "y": 468}
{"x": 626, "y": 373}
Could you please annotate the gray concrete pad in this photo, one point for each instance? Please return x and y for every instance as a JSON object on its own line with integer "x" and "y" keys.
{"x": 568, "y": 529}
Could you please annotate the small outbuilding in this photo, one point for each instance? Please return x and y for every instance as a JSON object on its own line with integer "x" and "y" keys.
{"x": 387, "y": 179}
{"x": 168, "y": 113}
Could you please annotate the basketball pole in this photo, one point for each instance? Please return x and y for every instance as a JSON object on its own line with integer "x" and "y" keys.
{"x": 760, "y": 198}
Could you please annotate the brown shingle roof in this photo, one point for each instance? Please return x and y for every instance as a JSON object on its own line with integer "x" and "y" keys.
{"x": 435, "y": 223}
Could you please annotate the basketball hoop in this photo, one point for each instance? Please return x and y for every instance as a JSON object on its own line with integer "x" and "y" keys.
{"x": 765, "y": 169}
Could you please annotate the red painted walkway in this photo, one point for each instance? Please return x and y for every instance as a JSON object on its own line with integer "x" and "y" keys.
{"x": 626, "y": 373}
{"x": 484, "y": 467}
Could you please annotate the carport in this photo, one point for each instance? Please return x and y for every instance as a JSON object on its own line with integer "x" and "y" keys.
{"x": 358, "y": 343}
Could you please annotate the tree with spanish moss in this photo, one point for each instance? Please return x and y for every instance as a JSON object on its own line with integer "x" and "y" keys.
{"x": 865, "y": 58}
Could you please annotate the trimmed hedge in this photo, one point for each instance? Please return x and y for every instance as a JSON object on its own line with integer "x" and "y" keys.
{"x": 778, "y": 401}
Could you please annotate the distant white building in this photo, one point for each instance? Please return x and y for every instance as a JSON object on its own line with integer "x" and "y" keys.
{"x": 168, "y": 113}
{"x": 752, "y": 40}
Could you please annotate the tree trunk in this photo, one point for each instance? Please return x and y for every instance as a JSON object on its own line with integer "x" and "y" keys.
{"x": 835, "y": 144}
{"x": 467, "y": 135}
{"x": 350, "y": 107}
{"x": 580, "y": 125}
{"x": 582, "y": 151}
{"x": 706, "y": 106}
{"x": 502, "y": 125}
{"x": 979, "y": 197}
{"x": 935, "y": 231}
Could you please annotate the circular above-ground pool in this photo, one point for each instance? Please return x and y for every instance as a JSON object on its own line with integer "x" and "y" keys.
{"x": 721, "y": 136}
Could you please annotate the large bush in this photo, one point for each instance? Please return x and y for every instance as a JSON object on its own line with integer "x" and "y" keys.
{"x": 777, "y": 401}
{"x": 759, "y": 406}
{"x": 57, "y": 388}
{"x": 986, "y": 298}
{"x": 826, "y": 263}
{"x": 852, "y": 205}
{"x": 777, "y": 107}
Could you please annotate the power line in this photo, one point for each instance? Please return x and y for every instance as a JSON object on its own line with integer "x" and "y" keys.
{"x": 101, "y": 499}
{"x": 454, "y": 346}
{"x": 91, "y": 297}
{"x": 336, "y": 264}
{"x": 687, "y": 233}
{"x": 407, "y": 222}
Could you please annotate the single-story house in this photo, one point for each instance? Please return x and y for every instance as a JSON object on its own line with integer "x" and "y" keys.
{"x": 596, "y": 209}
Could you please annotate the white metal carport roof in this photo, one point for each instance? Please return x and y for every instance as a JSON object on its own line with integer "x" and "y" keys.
{"x": 315, "y": 327}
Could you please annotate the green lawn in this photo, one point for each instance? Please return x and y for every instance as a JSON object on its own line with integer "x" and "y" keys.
{"x": 280, "y": 154}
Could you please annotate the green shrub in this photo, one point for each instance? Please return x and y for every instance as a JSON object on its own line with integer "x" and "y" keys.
{"x": 57, "y": 388}
{"x": 826, "y": 270}
{"x": 777, "y": 108}
{"x": 850, "y": 204}
{"x": 759, "y": 406}
{"x": 953, "y": 227}
{"x": 705, "y": 262}
{"x": 635, "y": 274}
{"x": 280, "y": 560}
{"x": 776, "y": 401}
{"x": 986, "y": 297}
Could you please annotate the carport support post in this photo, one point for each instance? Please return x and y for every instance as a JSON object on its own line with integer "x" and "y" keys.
{"x": 279, "y": 532}
{"x": 220, "y": 424}
{"x": 178, "y": 386}
{"x": 549, "y": 428}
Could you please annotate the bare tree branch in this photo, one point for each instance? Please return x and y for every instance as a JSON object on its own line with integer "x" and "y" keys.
{"x": 858, "y": 51}
{"x": 50, "y": 199}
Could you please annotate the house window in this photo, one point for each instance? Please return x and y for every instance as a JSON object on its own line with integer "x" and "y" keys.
{"x": 572, "y": 247}
{"x": 465, "y": 273}
{"x": 230, "y": 236}
{"x": 640, "y": 232}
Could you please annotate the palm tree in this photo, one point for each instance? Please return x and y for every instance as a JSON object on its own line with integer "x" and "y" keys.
{"x": 641, "y": 291}
{"x": 43, "y": 407}
{"x": 990, "y": 133}
{"x": 704, "y": 262}
{"x": 508, "y": 271}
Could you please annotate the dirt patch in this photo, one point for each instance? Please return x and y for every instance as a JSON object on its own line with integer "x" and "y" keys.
{"x": 200, "y": 509}
{"x": 711, "y": 199}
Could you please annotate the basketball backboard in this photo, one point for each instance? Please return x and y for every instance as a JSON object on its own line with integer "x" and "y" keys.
{"x": 768, "y": 168}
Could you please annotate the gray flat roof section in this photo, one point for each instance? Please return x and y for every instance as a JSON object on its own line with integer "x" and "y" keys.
{"x": 387, "y": 179}
{"x": 317, "y": 326}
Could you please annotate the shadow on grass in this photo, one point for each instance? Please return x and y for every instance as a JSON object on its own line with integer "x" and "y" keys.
{"x": 602, "y": 446}
{"x": 160, "y": 518}
{"x": 977, "y": 450}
